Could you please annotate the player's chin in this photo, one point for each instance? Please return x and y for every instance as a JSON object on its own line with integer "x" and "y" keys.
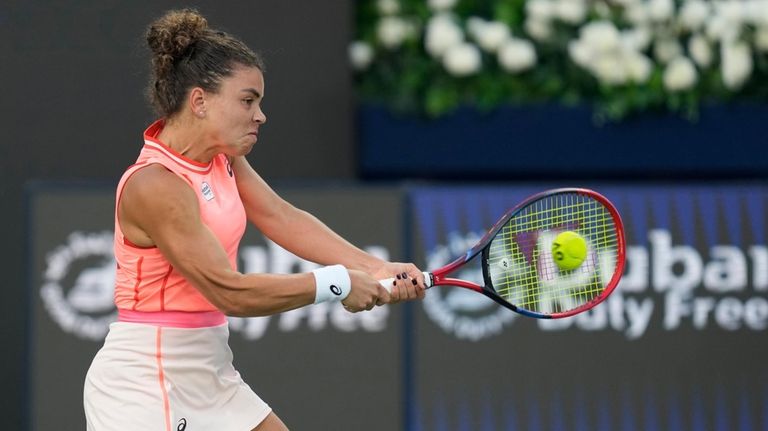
{"x": 245, "y": 147}
{"x": 238, "y": 151}
{"x": 245, "y": 150}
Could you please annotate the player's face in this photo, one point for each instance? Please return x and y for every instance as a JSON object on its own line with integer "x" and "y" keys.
{"x": 236, "y": 112}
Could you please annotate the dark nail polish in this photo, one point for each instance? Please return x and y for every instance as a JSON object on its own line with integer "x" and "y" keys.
{"x": 398, "y": 276}
{"x": 394, "y": 283}
{"x": 414, "y": 282}
{"x": 405, "y": 275}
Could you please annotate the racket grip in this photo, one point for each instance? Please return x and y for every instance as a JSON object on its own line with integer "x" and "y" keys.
{"x": 388, "y": 282}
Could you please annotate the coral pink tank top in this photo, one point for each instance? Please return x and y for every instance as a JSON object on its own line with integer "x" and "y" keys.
{"x": 146, "y": 281}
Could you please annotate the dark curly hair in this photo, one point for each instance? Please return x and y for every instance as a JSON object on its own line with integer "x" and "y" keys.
{"x": 186, "y": 53}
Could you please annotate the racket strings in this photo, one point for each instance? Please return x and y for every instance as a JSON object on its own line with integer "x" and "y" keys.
{"x": 522, "y": 269}
{"x": 549, "y": 217}
{"x": 535, "y": 295}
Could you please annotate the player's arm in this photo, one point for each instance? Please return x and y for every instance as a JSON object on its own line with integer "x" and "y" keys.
{"x": 304, "y": 235}
{"x": 294, "y": 229}
{"x": 159, "y": 208}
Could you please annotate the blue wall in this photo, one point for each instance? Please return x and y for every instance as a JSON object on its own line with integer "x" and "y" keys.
{"x": 549, "y": 141}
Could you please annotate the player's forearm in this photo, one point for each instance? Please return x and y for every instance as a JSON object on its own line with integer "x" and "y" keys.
{"x": 307, "y": 237}
{"x": 250, "y": 295}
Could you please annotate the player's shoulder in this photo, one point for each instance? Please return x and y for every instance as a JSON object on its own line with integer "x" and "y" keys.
{"x": 155, "y": 181}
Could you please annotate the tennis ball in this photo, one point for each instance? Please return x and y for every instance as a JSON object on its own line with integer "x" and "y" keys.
{"x": 569, "y": 250}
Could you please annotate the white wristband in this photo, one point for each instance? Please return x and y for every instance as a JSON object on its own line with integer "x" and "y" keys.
{"x": 332, "y": 283}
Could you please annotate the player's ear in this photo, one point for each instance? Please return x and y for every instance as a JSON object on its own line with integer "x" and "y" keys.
{"x": 196, "y": 102}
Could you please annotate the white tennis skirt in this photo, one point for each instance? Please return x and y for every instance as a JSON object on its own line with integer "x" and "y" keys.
{"x": 173, "y": 379}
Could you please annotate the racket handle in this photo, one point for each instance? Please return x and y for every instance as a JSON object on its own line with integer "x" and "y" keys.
{"x": 388, "y": 283}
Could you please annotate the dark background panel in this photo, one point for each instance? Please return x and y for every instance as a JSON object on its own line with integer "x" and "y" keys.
{"x": 304, "y": 363}
{"x": 520, "y": 142}
{"x": 57, "y": 357}
{"x": 590, "y": 371}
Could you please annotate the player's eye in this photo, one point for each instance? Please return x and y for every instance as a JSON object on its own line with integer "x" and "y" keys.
{"x": 248, "y": 101}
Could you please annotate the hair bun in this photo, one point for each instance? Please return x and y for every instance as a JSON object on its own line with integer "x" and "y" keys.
{"x": 186, "y": 53}
{"x": 173, "y": 33}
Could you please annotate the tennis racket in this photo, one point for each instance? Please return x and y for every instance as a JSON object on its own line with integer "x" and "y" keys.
{"x": 517, "y": 256}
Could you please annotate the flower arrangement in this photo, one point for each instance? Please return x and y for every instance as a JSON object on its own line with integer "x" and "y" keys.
{"x": 619, "y": 56}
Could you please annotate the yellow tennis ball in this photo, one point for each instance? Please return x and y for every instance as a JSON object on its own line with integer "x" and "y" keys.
{"x": 569, "y": 250}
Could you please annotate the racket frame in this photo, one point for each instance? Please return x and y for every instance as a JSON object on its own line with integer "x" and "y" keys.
{"x": 439, "y": 277}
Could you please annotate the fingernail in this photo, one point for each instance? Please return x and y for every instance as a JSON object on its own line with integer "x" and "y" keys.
{"x": 405, "y": 275}
{"x": 398, "y": 276}
{"x": 394, "y": 283}
{"x": 414, "y": 282}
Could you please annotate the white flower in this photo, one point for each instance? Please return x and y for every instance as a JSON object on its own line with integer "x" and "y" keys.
{"x": 441, "y": 34}
{"x": 732, "y": 11}
{"x": 694, "y": 14}
{"x": 700, "y": 50}
{"x": 638, "y": 67}
{"x": 637, "y": 13}
{"x": 613, "y": 57}
{"x": 571, "y": 11}
{"x": 462, "y": 59}
{"x": 680, "y": 74}
{"x": 388, "y": 7}
{"x": 637, "y": 39}
{"x": 602, "y": 10}
{"x": 542, "y": 10}
{"x": 580, "y": 53}
{"x": 392, "y": 31}
{"x": 491, "y": 35}
{"x": 475, "y": 25}
{"x": 761, "y": 39}
{"x": 717, "y": 28}
{"x": 661, "y": 10}
{"x": 540, "y": 30}
{"x": 601, "y": 36}
{"x": 756, "y": 12}
{"x": 441, "y": 5}
{"x": 665, "y": 50}
{"x": 610, "y": 70}
{"x": 517, "y": 55}
{"x": 360, "y": 55}
{"x": 736, "y": 65}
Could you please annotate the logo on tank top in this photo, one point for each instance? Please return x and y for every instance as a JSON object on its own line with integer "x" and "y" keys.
{"x": 78, "y": 284}
{"x": 207, "y": 191}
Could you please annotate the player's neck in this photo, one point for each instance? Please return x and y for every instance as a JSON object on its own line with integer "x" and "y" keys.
{"x": 187, "y": 139}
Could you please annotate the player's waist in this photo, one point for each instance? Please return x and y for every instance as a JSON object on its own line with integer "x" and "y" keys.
{"x": 173, "y": 319}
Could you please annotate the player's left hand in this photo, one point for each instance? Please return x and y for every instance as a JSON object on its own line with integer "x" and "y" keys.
{"x": 408, "y": 281}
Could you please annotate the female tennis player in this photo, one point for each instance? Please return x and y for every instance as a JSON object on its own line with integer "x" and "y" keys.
{"x": 180, "y": 213}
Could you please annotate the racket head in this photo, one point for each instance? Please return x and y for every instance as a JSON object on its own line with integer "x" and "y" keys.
{"x": 519, "y": 271}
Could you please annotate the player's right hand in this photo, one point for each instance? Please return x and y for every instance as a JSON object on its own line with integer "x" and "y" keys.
{"x": 366, "y": 292}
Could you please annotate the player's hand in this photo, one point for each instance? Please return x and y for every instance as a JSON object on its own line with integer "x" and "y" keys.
{"x": 366, "y": 292}
{"x": 408, "y": 281}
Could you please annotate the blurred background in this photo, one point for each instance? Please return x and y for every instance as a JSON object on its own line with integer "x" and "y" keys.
{"x": 409, "y": 127}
